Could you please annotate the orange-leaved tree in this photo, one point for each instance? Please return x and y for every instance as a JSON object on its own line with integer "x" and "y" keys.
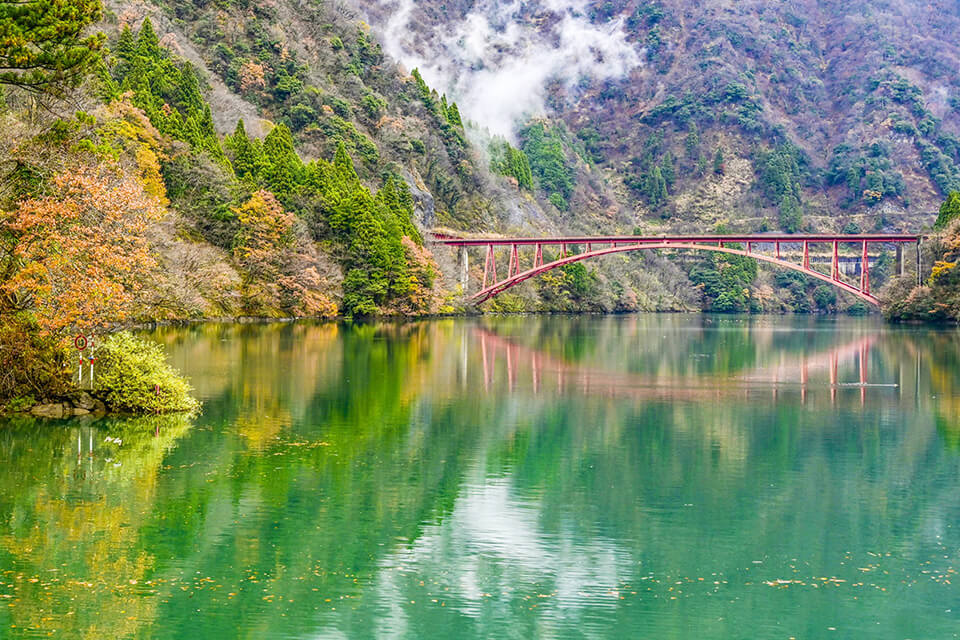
{"x": 76, "y": 256}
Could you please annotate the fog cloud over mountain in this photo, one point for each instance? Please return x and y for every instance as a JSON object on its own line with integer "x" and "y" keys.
{"x": 497, "y": 59}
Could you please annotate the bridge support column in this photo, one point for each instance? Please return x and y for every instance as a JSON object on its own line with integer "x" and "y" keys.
{"x": 514, "y": 262}
{"x": 806, "y": 255}
{"x": 464, "y": 260}
{"x": 778, "y": 250}
{"x": 836, "y": 260}
{"x": 919, "y": 263}
{"x": 901, "y": 267}
{"x": 490, "y": 267}
{"x": 865, "y": 270}
{"x": 538, "y": 258}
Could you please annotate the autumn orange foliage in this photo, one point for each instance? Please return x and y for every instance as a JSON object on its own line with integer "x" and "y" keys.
{"x": 77, "y": 256}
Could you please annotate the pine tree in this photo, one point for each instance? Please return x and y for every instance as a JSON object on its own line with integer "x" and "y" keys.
{"x": 42, "y": 43}
{"x": 692, "y": 143}
{"x": 148, "y": 44}
{"x": 949, "y": 210}
{"x": 656, "y": 188}
{"x": 718, "y": 164}
{"x": 667, "y": 168}
{"x": 453, "y": 115}
{"x": 282, "y": 165}
{"x": 247, "y": 156}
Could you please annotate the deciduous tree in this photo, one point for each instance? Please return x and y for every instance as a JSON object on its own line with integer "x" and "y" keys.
{"x": 77, "y": 255}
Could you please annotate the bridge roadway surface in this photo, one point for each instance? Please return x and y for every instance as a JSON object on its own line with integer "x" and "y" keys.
{"x": 736, "y": 244}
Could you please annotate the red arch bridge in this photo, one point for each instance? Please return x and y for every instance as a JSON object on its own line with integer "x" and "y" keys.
{"x": 798, "y": 252}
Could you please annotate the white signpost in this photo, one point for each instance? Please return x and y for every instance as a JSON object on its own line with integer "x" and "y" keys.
{"x": 82, "y": 343}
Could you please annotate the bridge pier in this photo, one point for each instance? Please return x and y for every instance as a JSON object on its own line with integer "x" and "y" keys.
{"x": 514, "y": 267}
{"x": 865, "y": 270}
{"x": 919, "y": 263}
{"x": 490, "y": 267}
{"x": 464, "y": 260}
{"x": 836, "y": 260}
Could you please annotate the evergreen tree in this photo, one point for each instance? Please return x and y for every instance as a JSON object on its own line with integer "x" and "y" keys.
{"x": 281, "y": 164}
{"x": 718, "y": 163}
{"x": 949, "y": 210}
{"x": 42, "y": 43}
{"x": 791, "y": 216}
{"x": 167, "y": 90}
{"x": 701, "y": 168}
{"x": 371, "y": 229}
{"x": 343, "y": 165}
{"x": 148, "y": 44}
{"x": 853, "y": 181}
{"x": 247, "y": 154}
{"x": 126, "y": 45}
{"x": 453, "y": 115}
{"x": 548, "y": 162}
{"x": 667, "y": 168}
{"x": 692, "y": 142}
{"x": 656, "y": 188}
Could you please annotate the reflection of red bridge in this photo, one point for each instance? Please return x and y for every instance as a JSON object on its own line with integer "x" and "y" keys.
{"x": 768, "y": 248}
{"x": 791, "y": 371}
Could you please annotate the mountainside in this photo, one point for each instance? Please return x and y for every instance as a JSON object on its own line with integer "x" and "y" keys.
{"x": 287, "y": 157}
{"x": 792, "y": 115}
{"x": 318, "y": 70}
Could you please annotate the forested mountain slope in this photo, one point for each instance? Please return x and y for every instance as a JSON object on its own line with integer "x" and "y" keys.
{"x": 792, "y": 115}
{"x": 317, "y": 70}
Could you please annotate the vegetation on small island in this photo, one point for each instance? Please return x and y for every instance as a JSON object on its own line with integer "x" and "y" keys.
{"x": 133, "y": 376}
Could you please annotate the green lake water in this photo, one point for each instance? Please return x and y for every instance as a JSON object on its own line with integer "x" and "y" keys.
{"x": 649, "y": 476}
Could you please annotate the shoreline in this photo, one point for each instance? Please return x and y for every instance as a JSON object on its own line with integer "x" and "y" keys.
{"x": 80, "y": 403}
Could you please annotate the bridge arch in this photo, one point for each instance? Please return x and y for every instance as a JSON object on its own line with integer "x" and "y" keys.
{"x": 517, "y": 278}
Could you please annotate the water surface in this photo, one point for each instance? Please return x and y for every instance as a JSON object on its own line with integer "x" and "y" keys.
{"x": 574, "y": 477}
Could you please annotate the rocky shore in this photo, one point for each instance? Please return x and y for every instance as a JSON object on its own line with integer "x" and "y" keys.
{"x": 79, "y": 403}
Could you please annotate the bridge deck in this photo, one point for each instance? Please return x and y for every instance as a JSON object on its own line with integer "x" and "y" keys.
{"x": 462, "y": 241}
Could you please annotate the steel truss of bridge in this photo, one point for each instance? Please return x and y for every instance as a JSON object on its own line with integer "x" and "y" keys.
{"x": 775, "y": 249}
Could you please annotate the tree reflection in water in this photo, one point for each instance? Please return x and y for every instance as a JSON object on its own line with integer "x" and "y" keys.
{"x": 504, "y": 477}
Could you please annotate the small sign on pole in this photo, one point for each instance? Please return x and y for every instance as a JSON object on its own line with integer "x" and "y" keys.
{"x": 82, "y": 343}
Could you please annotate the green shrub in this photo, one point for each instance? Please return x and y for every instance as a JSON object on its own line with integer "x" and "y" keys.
{"x": 858, "y": 308}
{"x": 133, "y": 375}
{"x": 825, "y": 297}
